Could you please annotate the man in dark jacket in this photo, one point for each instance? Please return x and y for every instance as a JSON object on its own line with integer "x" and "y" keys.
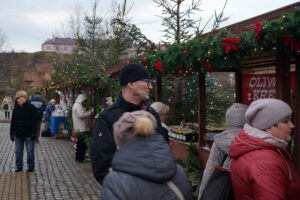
{"x": 23, "y": 130}
{"x": 40, "y": 105}
{"x": 135, "y": 81}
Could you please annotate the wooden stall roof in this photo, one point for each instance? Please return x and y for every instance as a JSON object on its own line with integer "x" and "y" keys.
{"x": 248, "y": 24}
{"x": 114, "y": 71}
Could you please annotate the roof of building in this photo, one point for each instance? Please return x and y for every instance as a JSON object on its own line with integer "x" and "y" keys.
{"x": 61, "y": 41}
{"x": 248, "y": 24}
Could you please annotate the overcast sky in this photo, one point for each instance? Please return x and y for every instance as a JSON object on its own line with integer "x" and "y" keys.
{"x": 28, "y": 23}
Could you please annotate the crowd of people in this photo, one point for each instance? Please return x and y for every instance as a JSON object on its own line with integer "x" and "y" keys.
{"x": 131, "y": 155}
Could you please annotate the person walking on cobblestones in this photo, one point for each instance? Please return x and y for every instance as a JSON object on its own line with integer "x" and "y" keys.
{"x": 49, "y": 110}
{"x": 40, "y": 105}
{"x": 7, "y": 105}
{"x": 81, "y": 125}
{"x": 23, "y": 130}
{"x": 135, "y": 84}
{"x": 143, "y": 167}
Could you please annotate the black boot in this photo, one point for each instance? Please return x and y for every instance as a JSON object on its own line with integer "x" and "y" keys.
{"x": 18, "y": 169}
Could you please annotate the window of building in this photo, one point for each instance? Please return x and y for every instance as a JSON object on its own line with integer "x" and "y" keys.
{"x": 57, "y": 48}
{"x": 65, "y": 48}
{"x": 48, "y": 48}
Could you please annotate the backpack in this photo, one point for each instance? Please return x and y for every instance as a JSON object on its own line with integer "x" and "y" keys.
{"x": 5, "y": 106}
{"x": 46, "y": 133}
{"x": 219, "y": 186}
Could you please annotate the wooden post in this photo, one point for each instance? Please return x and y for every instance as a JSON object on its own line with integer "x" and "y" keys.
{"x": 88, "y": 98}
{"x": 238, "y": 87}
{"x": 297, "y": 116}
{"x": 57, "y": 98}
{"x": 158, "y": 95}
{"x": 47, "y": 95}
{"x": 95, "y": 102}
{"x": 202, "y": 109}
{"x": 283, "y": 84}
{"x": 73, "y": 96}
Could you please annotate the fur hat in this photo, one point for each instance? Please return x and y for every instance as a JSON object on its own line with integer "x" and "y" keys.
{"x": 130, "y": 125}
{"x": 21, "y": 94}
{"x": 264, "y": 113}
{"x": 133, "y": 72}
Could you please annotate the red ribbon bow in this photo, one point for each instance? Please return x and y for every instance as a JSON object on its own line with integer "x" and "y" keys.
{"x": 257, "y": 28}
{"x": 288, "y": 41}
{"x": 143, "y": 60}
{"x": 184, "y": 51}
{"x": 208, "y": 66}
{"x": 180, "y": 71}
{"x": 229, "y": 44}
{"x": 159, "y": 66}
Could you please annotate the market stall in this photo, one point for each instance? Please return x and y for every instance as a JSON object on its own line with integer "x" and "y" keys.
{"x": 266, "y": 40}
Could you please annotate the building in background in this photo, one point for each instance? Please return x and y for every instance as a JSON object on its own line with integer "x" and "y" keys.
{"x": 59, "y": 45}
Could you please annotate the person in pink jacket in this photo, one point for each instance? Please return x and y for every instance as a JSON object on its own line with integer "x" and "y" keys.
{"x": 261, "y": 168}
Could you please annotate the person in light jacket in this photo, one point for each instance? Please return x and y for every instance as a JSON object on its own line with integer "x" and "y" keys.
{"x": 235, "y": 120}
{"x": 261, "y": 167}
{"x": 7, "y": 105}
{"x": 81, "y": 125}
{"x": 143, "y": 165}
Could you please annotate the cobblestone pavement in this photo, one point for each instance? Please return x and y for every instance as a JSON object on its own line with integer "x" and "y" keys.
{"x": 56, "y": 174}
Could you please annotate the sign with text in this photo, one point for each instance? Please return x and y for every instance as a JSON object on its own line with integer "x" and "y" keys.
{"x": 261, "y": 86}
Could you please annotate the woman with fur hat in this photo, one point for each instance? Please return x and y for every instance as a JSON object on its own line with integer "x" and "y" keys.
{"x": 7, "y": 105}
{"x": 144, "y": 166}
{"x": 235, "y": 120}
{"x": 261, "y": 167}
{"x": 23, "y": 130}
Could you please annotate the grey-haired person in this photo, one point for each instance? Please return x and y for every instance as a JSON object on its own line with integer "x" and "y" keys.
{"x": 135, "y": 81}
{"x": 219, "y": 153}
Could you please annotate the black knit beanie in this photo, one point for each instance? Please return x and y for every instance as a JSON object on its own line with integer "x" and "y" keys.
{"x": 133, "y": 72}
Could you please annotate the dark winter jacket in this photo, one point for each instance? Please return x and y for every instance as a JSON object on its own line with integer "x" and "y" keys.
{"x": 49, "y": 109}
{"x": 23, "y": 121}
{"x": 141, "y": 169}
{"x": 39, "y": 104}
{"x": 103, "y": 144}
{"x": 261, "y": 169}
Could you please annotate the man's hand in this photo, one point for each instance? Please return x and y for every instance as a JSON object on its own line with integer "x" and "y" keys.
{"x": 33, "y": 137}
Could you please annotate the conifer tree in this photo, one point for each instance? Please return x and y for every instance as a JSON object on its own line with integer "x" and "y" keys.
{"x": 179, "y": 21}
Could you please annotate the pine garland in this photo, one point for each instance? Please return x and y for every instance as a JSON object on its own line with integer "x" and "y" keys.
{"x": 225, "y": 51}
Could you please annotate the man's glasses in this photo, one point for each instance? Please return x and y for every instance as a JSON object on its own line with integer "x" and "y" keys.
{"x": 148, "y": 81}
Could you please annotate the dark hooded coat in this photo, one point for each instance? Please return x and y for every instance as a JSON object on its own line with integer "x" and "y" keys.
{"x": 141, "y": 169}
